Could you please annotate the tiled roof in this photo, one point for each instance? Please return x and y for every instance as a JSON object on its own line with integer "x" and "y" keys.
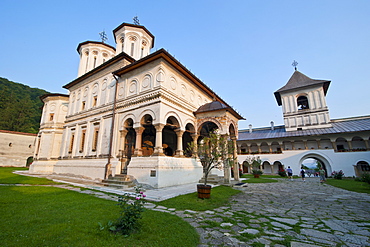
{"x": 347, "y": 125}
{"x": 299, "y": 80}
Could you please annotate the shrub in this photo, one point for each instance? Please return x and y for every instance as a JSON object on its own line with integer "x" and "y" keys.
{"x": 338, "y": 175}
{"x": 365, "y": 177}
{"x": 132, "y": 205}
{"x": 282, "y": 173}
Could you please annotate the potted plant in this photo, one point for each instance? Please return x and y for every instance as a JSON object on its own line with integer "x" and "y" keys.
{"x": 255, "y": 162}
{"x": 256, "y": 173}
{"x": 214, "y": 151}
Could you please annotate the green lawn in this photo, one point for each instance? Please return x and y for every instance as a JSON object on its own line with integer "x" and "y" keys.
{"x": 7, "y": 177}
{"x": 220, "y": 196}
{"x": 261, "y": 179}
{"x": 350, "y": 184}
{"x": 48, "y": 216}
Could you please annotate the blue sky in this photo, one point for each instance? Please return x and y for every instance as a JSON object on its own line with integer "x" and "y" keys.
{"x": 242, "y": 49}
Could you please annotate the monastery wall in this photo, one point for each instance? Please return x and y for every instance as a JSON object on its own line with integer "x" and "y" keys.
{"x": 16, "y": 148}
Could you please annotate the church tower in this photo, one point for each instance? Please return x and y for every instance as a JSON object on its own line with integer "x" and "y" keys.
{"x": 135, "y": 40}
{"x": 93, "y": 54}
{"x": 303, "y": 102}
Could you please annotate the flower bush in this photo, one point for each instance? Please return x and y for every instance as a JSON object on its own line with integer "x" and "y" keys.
{"x": 337, "y": 175}
{"x": 132, "y": 205}
{"x": 282, "y": 172}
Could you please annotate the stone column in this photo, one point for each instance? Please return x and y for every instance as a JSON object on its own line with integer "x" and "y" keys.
{"x": 334, "y": 146}
{"x": 270, "y": 148}
{"x": 227, "y": 169}
{"x": 179, "y": 151}
{"x": 305, "y": 145}
{"x": 195, "y": 139}
{"x": 318, "y": 144}
{"x": 139, "y": 135}
{"x": 272, "y": 168}
{"x": 349, "y": 145}
{"x": 259, "y": 148}
{"x": 158, "y": 149}
{"x": 249, "y": 149}
{"x": 122, "y": 141}
{"x": 367, "y": 144}
{"x": 235, "y": 159}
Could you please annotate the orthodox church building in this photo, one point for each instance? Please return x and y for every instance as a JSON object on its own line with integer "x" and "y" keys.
{"x": 308, "y": 132}
{"x": 130, "y": 112}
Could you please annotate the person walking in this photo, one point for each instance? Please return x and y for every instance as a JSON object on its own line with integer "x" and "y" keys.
{"x": 322, "y": 174}
{"x": 303, "y": 174}
{"x": 290, "y": 173}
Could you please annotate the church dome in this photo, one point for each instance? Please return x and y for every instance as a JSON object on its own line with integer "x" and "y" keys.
{"x": 212, "y": 106}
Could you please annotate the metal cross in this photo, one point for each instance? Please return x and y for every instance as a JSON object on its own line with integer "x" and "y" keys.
{"x": 103, "y": 36}
{"x": 294, "y": 64}
{"x": 136, "y": 20}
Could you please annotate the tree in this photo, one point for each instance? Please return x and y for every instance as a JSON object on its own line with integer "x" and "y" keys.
{"x": 214, "y": 151}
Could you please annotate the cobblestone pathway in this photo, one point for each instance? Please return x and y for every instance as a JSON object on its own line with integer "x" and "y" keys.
{"x": 290, "y": 213}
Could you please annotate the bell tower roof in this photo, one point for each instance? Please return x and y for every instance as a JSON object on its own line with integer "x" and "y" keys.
{"x": 298, "y": 81}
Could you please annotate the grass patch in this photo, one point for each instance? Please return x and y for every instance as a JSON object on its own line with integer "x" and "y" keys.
{"x": 48, "y": 216}
{"x": 8, "y": 177}
{"x": 350, "y": 184}
{"x": 259, "y": 180}
{"x": 220, "y": 196}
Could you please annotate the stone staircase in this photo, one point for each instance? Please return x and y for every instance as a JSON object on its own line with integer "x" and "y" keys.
{"x": 213, "y": 179}
{"x": 120, "y": 181}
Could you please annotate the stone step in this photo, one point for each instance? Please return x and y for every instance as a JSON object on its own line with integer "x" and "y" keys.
{"x": 120, "y": 181}
{"x": 213, "y": 179}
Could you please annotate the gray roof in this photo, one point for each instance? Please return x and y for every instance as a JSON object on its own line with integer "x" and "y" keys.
{"x": 299, "y": 80}
{"x": 347, "y": 125}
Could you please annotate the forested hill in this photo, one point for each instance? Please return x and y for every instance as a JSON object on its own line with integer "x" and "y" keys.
{"x": 20, "y": 107}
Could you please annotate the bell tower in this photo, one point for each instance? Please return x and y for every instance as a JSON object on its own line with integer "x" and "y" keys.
{"x": 303, "y": 102}
{"x": 133, "y": 39}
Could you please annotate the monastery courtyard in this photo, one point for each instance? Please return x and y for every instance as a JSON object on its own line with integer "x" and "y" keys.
{"x": 303, "y": 213}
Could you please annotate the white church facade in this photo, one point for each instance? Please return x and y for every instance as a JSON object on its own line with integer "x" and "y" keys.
{"x": 129, "y": 112}
{"x": 308, "y": 133}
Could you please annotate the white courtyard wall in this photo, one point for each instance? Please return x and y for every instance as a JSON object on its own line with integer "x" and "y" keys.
{"x": 16, "y": 148}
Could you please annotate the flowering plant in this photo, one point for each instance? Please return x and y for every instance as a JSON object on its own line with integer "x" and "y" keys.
{"x": 132, "y": 205}
{"x": 337, "y": 175}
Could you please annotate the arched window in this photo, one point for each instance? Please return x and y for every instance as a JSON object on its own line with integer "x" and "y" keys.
{"x": 302, "y": 103}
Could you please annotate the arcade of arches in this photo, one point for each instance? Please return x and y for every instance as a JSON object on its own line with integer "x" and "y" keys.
{"x": 163, "y": 139}
{"x": 339, "y": 144}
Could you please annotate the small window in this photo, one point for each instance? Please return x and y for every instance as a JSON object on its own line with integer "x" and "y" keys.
{"x": 82, "y": 143}
{"x": 95, "y": 101}
{"x": 302, "y": 103}
{"x": 51, "y": 118}
{"x": 10, "y": 144}
{"x": 83, "y": 105}
{"x": 95, "y": 140}
{"x": 71, "y": 143}
{"x": 153, "y": 173}
{"x": 132, "y": 49}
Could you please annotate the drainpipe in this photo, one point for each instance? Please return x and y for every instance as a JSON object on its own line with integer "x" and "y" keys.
{"x": 108, "y": 166}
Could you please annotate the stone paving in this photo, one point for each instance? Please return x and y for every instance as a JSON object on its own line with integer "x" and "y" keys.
{"x": 287, "y": 213}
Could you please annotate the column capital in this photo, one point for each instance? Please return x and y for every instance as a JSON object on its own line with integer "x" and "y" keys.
{"x": 139, "y": 130}
{"x": 159, "y": 126}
